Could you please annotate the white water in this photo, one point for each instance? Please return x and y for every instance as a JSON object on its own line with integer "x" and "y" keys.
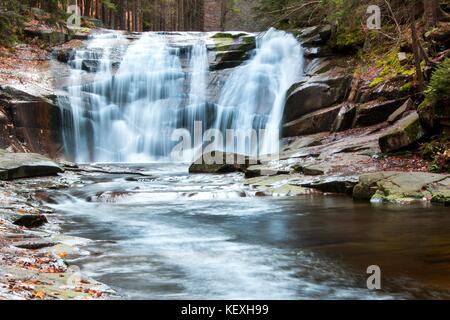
{"x": 128, "y": 114}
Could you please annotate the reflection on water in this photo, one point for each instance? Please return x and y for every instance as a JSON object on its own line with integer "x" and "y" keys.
{"x": 176, "y": 236}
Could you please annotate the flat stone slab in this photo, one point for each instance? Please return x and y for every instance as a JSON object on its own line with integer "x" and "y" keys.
{"x": 26, "y": 165}
{"x": 403, "y": 187}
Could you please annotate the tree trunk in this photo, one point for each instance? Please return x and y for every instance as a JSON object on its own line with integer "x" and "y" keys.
{"x": 431, "y": 12}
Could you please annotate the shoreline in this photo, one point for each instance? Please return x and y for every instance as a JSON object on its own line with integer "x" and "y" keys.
{"x": 33, "y": 260}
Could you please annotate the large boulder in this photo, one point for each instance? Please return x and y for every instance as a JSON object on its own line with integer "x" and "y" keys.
{"x": 405, "y": 133}
{"x": 26, "y": 165}
{"x": 315, "y": 94}
{"x": 315, "y": 122}
{"x": 345, "y": 117}
{"x": 402, "y": 187}
{"x": 221, "y": 162}
{"x": 36, "y": 120}
{"x": 375, "y": 112}
{"x": 315, "y": 36}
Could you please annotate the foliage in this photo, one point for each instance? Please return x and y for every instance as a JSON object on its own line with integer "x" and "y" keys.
{"x": 438, "y": 89}
{"x": 438, "y": 152}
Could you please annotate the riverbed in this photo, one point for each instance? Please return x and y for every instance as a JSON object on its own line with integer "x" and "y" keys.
{"x": 166, "y": 234}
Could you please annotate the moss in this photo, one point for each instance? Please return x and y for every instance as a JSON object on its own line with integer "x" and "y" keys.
{"x": 390, "y": 67}
{"x": 348, "y": 39}
{"x": 406, "y": 88}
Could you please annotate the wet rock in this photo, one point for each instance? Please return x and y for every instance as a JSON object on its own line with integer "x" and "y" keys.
{"x": 232, "y": 41}
{"x": 228, "y": 59}
{"x": 400, "y": 112}
{"x": 26, "y": 165}
{"x": 401, "y": 187}
{"x": 31, "y": 221}
{"x": 440, "y": 192}
{"x": 344, "y": 185}
{"x": 318, "y": 93}
{"x": 34, "y": 245}
{"x": 36, "y": 120}
{"x": 261, "y": 170}
{"x": 221, "y": 162}
{"x": 315, "y": 122}
{"x": 63, "y": 55}
{"x": 375, "y": 112}
{"x": 345, "y": 118}
{"x": 318, "y": 52}
{"x": 405, "y": 133}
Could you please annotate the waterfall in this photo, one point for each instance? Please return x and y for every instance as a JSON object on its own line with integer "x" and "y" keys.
{"x": 126, "y": 97}
{"x": 253, "y": 97}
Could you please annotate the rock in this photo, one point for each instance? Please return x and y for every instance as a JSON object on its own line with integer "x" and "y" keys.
{"x": 63, "y": 55}
{"x": 36, "y": 120}
{"x": 315, "y": 122}
{"x": 232, "y": 41}
{"x": 317, "y": 52}
{"x": 400, "y": 112}
{"x": 221, "y": 162}
{"x": 315, "y": 36}
{"x": 402, "y": 187}
{"x": 392, "y": 89}
{"x": 52, "y": 38}
{"x": 261, "y": 170}
{"x": 314, "y": 170}
{"x": 345, "y": 118}
{"x": 440, "y": 192}
{"x": 318, "y": 93}
{"x": 90, "y": 65}
{"x": 26, "y": 165}
{"x": 333, "y": 184}
{"x": 407, "y": 132}
{"x": 31, "y": 221}
{"x": 34, "y": 245}
{"x": 375, "y": 112}
{"x": 402, "y": 57}
{"x": 228, "y": 59}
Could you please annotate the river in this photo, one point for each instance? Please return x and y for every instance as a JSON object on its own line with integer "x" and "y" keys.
{"x": 178, "y": 236}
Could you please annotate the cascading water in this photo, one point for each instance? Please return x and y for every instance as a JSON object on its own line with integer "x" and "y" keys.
{"x": 253, "y": 97}
{"x": 128, "y": 113}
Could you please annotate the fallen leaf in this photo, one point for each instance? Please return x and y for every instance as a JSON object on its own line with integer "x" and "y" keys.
{"x": 63, "y": 254}
{"x": 39, "y": 295}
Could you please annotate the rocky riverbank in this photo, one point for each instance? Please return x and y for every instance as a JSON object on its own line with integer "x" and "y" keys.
{"x": 33, "y": 251}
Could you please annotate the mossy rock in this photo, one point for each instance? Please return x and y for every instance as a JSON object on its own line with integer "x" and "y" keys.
{"x": 407, "y": 132}
{"x": 400, "y": 187}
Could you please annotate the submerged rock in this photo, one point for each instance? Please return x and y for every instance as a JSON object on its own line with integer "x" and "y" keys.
{"x": 26, "y": 165}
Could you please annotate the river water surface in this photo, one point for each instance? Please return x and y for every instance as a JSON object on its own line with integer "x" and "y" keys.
{"x": 180, "y": 236}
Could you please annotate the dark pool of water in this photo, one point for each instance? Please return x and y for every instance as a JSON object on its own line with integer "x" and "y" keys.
{"x": 196, "y": 237}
